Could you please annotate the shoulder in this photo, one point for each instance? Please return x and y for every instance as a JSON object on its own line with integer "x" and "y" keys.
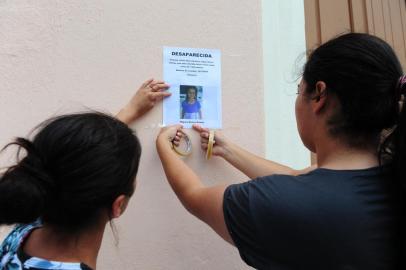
{"x": 309, "y": 194}
{"x": 262, "y": 192}
{"x": 270, "y": 184}
{"x": 15, "y": 237}
{"x": 250, "y": 208}
{"x": 276, "y": 194}
{"x": 13, "y": 240}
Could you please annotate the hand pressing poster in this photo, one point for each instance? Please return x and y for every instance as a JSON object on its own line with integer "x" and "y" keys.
{"x": 194, "y": 76}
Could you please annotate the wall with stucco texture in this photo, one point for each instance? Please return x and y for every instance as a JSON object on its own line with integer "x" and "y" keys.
{"x": 63, "y": 56}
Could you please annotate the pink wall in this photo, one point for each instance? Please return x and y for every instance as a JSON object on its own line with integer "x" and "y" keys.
{"x": 62, "y": 56}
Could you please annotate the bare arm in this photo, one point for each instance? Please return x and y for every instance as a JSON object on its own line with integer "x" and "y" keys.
{"x": 254, "y": 166}
{"x": 251, "y": 165}
{"x": 206, "y": 203}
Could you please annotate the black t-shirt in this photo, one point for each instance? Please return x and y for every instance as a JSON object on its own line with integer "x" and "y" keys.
{"x": 326, "y": 219}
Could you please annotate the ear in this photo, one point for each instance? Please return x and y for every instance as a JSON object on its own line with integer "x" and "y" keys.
{"x": 319, "y": 99}
{"x": 119, "y": 206}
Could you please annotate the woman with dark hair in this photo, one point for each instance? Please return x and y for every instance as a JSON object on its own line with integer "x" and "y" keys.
{"x": 347, "y": 213}
{"x": 77, "y": 175}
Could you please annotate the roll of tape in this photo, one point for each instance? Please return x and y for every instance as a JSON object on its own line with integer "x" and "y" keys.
{"x": 210, "y": 144}
{"x": 188, "y": 149}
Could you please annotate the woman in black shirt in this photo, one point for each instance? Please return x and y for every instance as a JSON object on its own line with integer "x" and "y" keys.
{"x": 345, "y": 214}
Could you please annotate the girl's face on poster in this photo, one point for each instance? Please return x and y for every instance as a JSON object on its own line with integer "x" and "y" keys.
{"x": 191, "y": 94}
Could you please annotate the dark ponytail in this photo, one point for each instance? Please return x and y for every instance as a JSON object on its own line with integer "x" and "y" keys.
{"x": 393, "y": 147}
{"x": 73, "y": 170}
{"x": 24, "y": 187}
{"x": 364, "y": 74}
{"x": 393, "y": 152}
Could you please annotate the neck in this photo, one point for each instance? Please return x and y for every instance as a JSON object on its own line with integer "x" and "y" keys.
{"x": 333, "y": 154}
{"x": 50, "y": 244}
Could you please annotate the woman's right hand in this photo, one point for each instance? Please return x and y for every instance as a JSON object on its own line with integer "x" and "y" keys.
{"x": 172, "y": 134}
{"x": 148, "y": 94}
{"x": 220, "y": 141}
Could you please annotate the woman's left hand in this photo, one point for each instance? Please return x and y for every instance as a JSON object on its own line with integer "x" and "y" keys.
{"x": 144, "y": 100}
{"x": 171, "y": 134}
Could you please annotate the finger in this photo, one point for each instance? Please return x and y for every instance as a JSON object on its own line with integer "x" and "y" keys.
{"x": 161, "y": 84}
{"x": 199, "y": 128}
{"x": 176, "y": 143}
{"x": 204, "y": 135}
{"x": 204, "y": 146}
{"x": 159, "y": 87}
{"x": 147, "y": 82}
{"x": 181, "y": 136}
{"x": 159, "y": 95}
{"x": 158, "y": 82}
{"x": 178, "y": 127}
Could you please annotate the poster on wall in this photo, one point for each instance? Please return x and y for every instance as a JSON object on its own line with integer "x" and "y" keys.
{"x": 194, "y": 76}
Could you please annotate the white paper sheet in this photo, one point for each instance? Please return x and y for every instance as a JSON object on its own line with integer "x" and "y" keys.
{"x": 195, "y": 79}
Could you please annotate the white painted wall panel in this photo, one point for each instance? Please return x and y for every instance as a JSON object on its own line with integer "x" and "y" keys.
{"x": 62, "y": 56}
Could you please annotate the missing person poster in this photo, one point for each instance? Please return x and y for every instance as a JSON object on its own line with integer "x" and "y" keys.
{"x": 194, "y": 76}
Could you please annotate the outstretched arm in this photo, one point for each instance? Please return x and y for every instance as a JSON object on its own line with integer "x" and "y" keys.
{"x": 251, "y": 165}
{"x": 206, "y": 203}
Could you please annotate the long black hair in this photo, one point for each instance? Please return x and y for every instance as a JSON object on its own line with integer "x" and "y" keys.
{"x": 364, "y": 74}
{"x": 74, "y": 168}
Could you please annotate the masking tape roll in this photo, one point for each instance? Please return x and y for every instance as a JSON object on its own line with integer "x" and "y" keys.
{"x": 210, "y": 145}
{"x": 188, "y": 149}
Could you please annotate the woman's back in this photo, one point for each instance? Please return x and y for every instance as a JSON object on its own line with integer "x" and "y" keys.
{"x": 326, "y": 219}
{"x": 346, "y": 214}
